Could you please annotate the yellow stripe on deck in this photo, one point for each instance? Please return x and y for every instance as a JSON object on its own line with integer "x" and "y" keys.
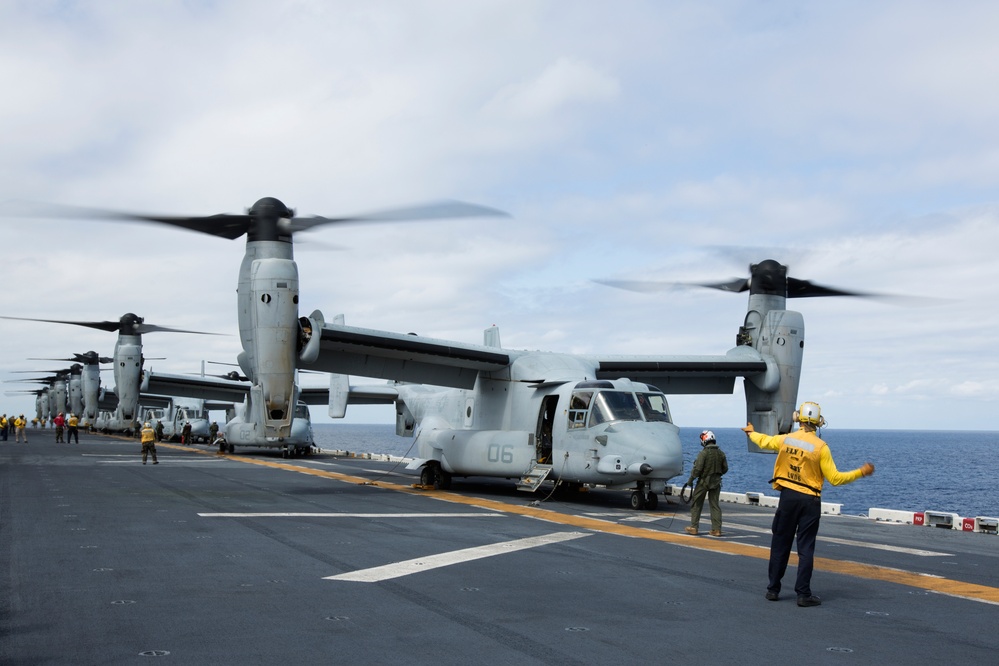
{"x": 954, "y": 588}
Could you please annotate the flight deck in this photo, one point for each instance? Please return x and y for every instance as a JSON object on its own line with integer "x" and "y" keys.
{"x": 329, "y": 559}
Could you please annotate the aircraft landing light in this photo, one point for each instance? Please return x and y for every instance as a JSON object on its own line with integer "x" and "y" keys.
{"x": 398, "y": 569}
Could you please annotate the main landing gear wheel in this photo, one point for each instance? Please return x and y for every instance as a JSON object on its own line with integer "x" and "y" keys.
{"x": 638, "y": 500}
{"x": 651, "y": 501}
{"x": 442, "y": 479}
{"x": 427, "y": 476}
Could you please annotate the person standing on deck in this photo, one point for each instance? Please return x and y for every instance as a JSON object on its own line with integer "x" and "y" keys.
{"x": 803, "y": 464}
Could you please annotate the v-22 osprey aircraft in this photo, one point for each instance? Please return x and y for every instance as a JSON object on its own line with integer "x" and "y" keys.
{"x": 274, "y": 339}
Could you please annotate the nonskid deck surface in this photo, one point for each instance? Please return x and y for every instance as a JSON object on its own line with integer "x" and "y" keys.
{"x": 256, "y": 559}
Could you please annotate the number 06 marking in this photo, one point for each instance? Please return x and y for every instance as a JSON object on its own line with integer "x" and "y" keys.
{"x": 499, "y": 453}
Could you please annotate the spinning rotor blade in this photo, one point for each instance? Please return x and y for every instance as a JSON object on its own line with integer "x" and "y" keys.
{"x": 652, "y": 286}
{"x": 224, "y": 225}
{"x": 100, "y": 325}
{"x": 269, "y": 218}
{"x": 87, "y": 358}
{"x": 41, "y": 380}
{"x": 129, "y": 324}
{"x": 767, "y": 277}
{"x": 805, "y": 289}
{"x": 431, "y": 211}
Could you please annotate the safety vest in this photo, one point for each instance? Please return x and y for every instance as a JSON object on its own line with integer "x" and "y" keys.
{"x": 797, "y": 466}
{"x": 148, "y": 435}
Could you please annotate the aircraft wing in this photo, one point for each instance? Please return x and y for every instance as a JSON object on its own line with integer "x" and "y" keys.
{"x": 349, "y": 350}
{"x": 685, "y": 374}
{"x": 155, "y": 401}
{"x": 193, "y": 386}
{"x": 364, "y": 394}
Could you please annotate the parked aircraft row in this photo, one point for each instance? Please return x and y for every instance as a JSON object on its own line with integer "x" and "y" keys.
{"x": 475, "y": 410}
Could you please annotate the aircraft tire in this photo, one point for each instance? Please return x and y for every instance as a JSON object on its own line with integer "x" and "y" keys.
{"x": 442, "y": 479}
{"x": 651, "y": 501}
{"x": 637, "y": 500}
{"x": 427, "y": 476}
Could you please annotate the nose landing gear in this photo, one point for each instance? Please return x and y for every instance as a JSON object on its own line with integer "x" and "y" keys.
{"x": 644, "y": 499}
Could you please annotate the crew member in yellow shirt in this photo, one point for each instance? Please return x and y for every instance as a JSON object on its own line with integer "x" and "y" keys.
{"x": 148, "y": 438}
{"x": 803, "y": 464}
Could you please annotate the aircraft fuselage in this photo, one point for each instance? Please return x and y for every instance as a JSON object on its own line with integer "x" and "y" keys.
{"x": 616, "y": 434}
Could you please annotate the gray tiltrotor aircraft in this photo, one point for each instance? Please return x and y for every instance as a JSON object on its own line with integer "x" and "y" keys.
{"x": 275, "y": 340}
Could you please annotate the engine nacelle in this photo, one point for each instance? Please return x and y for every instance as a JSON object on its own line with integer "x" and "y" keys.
{"x": 780, "y": 339}
{"x": 273, "y": 303}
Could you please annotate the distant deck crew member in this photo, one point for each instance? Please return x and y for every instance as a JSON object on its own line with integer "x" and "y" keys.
{"x": 59, "y": 422}
{"x": 185, "y": 433}
{"x": 803, "y": 464}
{"x": 148, "y": 438}
{"x": 708, "y": 469}
{"x": 19, "y": 424}
{"x": 72, "y": 429}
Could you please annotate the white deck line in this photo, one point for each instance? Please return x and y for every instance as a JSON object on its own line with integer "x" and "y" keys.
{"x": 398, "y": 569}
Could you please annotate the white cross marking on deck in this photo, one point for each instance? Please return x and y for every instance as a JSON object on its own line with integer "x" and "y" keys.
{"x": 398, "y": 569}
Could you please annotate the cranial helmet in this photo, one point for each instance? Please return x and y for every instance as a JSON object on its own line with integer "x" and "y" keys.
{"x": 810, "y": 412}
{"x": 707, "y": 437}
{"x": 147, "y": 424}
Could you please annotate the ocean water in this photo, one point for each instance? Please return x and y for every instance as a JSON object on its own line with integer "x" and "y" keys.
{"x": 955, "y": 472}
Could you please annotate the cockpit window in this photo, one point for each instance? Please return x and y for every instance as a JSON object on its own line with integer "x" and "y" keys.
{"x": 654, "y": 406}
{"x": 614, "y": 406}
{"x": 302, "y": 411}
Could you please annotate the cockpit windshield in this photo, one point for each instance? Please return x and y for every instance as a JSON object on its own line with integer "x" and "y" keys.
{"x": 605, "y": 406}
{"x": 654, "y": 406}
{"x": 614, "y": 406}
{"x": 302, "y": 411}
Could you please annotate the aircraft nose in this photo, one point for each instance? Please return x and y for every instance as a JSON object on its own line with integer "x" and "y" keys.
{"x": 646, "y": 449}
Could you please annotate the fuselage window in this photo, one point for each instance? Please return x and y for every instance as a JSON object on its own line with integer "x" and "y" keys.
{"x": 578, "y": 406}
{"x": 654, "y": 406}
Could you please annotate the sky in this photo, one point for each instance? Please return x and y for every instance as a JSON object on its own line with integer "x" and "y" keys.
{"x": 674, "y": 141}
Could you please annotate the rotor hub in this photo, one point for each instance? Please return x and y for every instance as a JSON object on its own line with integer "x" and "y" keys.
{"x": 265, "y": 221}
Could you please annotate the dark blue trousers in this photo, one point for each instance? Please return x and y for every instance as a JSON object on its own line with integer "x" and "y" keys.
{"x": 797, "y": 515}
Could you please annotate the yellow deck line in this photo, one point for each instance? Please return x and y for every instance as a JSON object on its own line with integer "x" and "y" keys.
{"x": 954, "y": 588}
